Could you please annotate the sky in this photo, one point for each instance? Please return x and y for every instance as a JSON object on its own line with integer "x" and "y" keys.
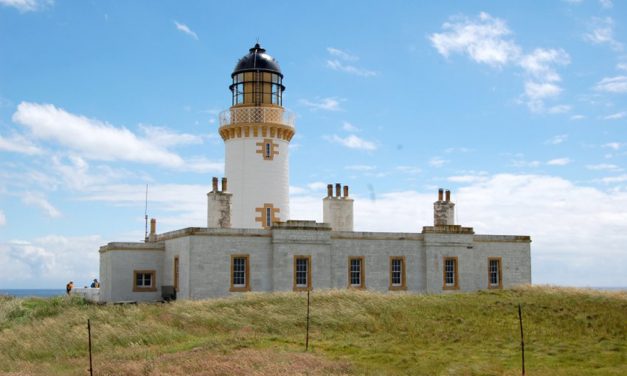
{"x": 518, "y": 107}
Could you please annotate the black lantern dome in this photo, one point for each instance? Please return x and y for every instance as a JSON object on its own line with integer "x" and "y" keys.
{"x": 257, "y": 60}
{"x": 257, "y": 80}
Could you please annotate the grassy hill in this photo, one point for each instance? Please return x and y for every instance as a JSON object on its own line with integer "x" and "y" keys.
{"x": 567, "y": 332}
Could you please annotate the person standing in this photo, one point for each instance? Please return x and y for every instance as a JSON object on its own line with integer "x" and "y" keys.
{"x": 69, "y": 287}
{"x": 95, "y": 284}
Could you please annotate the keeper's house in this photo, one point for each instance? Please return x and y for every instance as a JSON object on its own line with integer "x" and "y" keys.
{"x": 250, "y": 243}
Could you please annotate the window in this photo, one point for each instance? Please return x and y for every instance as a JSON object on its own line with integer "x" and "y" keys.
{"x": 302, "y": 273}
{"x": 176, "y": 273}
{"x": 268, "y": 217}
{"x": 268, "y": 150}
{"x": 144, "y": 280}
{"x": 450, "y": 273}
{"x": 240, "y": 274}
{"x": 494, "y": 273}
{"x": 356, "y": 272}
{"x": 238, "y": 88}
{"x": 397, "y": 273}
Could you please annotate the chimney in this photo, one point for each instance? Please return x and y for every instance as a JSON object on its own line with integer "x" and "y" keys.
{"x": 338, "y": 213}
{"x": 153, "y": 230}
{"x": 443, "y": 209}
{"x": 219, "y": 206}
{"x": 214, "y": 184}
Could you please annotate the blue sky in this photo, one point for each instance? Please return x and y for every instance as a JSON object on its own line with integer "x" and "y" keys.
{"x": 518, "y": 107}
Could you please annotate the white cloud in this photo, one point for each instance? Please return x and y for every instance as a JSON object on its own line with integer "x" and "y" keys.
{"x": 339, "y": 61}
{"x": 164, "y": 137}
{"x": 616, "y": 116}
{"x": 616, "y": 84}
{"x": 614, "y": 179}
{"x": 558, "y": 162}
{"x": 348, "y": 127}
{"x": 27, "y": 5}
{"x": 92, "y": 138}
{"x": 352, "y": 142}
{"x": 342, "y": 54}
{"x": 458, "y": 150}
{"x": 482, "y": 38}
{"x": 613, "y": 145}
{"x": 360, "y": 168}
{"x": 326, "y": 104}
{"x": 3, "y": 219}
{"x": 539, "y": 64}
{"x": 185, "y": 29}
{"x": 347, "y": 68}
{"x": 602, "y": 32}
{"x": 201, "y": 165}
{"x": 38, "y": 200}
{"x": 50, "y": 261}
{"x": 558, "y": 139}
{"x": 621, "y": 66}
{"x": 409, "y": 170}
{"x": 437, "y": 162}
{"x": 18, "y": 144}
{"x": 603, "y": 167}
{"x": 577, "y": 117}
{"x": 606, "y": 4}
{"x": 466, "y": 178}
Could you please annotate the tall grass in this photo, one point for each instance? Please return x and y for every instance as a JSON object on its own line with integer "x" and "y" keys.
{"x": 567, "y": 332}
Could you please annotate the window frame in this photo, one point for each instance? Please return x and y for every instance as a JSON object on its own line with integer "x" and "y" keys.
{"x": 246, "y": 286}
{"x": 499, "y": 261}
{"x": 403, "y": 284}
{"x": 296, "y": 287}
{"x": 362, "y": 272}
{"x": 455, "y": 285}
{"x": 153, "y": 281}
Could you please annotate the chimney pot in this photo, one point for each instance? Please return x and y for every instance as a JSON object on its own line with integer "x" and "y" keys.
{"x": 329, "y": 190}
{"x": 338, "y": 189}
{"x": 153, "y": 226}
{"x": 224, "y": 185}
{"x": 440, "y": 194}
{"x": 345, "y": 191}
{"x": 214, "y": 183}
{"x": 448, "y": 195}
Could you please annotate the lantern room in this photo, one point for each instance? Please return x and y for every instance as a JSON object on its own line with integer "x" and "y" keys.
{"x": 257, "y": 80}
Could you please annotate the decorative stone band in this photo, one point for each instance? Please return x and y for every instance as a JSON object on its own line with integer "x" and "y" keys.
{"x": 257, "y": 114}
{"x": 282, "y": 132}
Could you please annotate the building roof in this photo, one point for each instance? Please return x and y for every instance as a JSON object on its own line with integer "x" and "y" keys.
{"x": 257, "y": 59}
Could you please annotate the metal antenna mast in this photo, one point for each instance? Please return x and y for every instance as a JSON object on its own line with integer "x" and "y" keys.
{"x": 146, "y": 216}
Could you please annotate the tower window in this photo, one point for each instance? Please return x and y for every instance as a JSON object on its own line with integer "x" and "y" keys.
{"x": 450, "y": 274}
{"x": 494, "y": 273}
{"x": 268, "y": 150}
{"x": 268, "y": 217}
{"x": 397, "y": 273}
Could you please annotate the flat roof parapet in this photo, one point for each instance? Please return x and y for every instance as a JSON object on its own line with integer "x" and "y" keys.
{"x": 447, "y": 229}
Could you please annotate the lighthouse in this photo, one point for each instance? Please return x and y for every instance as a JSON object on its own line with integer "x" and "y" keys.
{"x": 257, "y": 130}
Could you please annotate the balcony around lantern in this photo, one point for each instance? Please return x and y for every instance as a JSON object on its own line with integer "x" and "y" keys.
{"x": 251, "y": 115}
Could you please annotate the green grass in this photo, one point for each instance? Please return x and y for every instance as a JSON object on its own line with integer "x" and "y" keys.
{"x": 567, "y": 332}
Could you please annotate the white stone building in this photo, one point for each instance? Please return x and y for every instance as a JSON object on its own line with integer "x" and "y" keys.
{"x": 250, "y": 243}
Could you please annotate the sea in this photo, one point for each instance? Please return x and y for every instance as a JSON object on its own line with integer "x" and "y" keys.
{"x": 41, "y": 293}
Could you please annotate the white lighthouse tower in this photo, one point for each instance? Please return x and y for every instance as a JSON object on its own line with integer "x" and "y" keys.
{"x": 257, "y": 131}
